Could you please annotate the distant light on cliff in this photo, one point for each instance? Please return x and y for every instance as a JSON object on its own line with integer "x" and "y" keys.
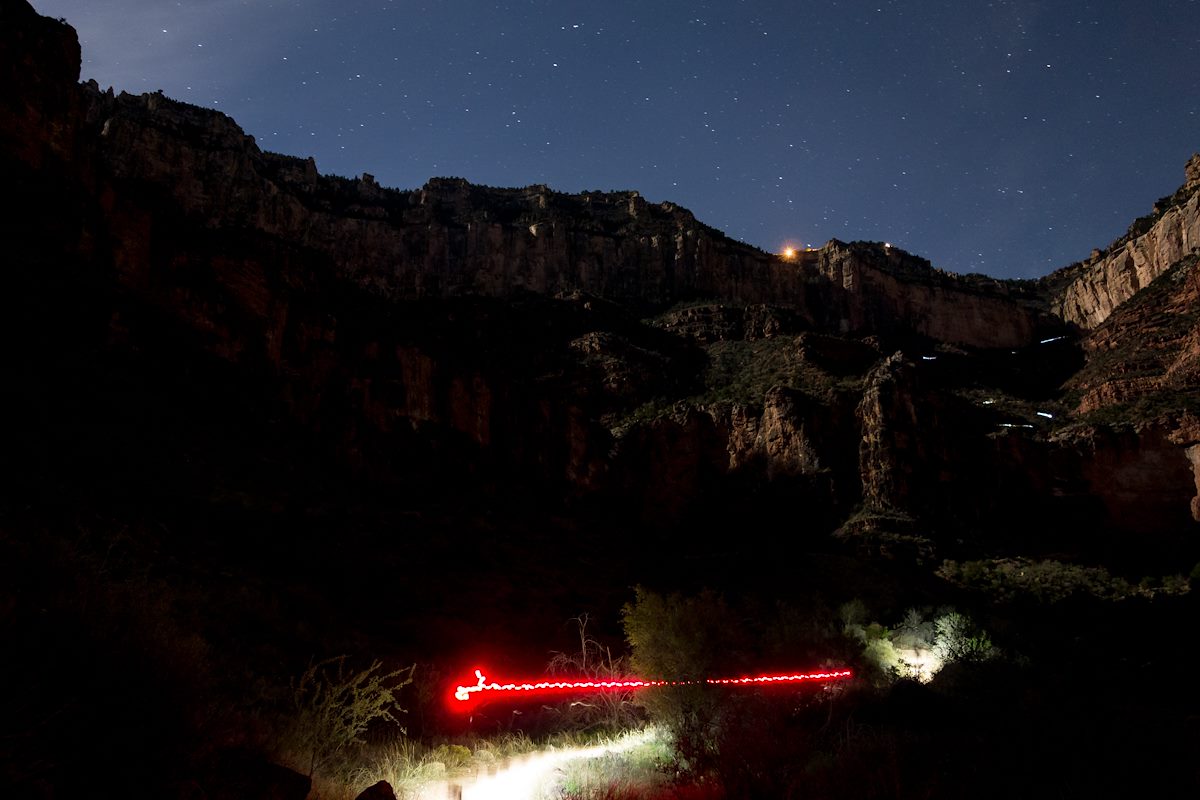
{"x": 788, "y": 253}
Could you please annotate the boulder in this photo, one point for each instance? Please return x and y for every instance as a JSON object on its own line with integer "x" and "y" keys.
{"x": 379, "y": 791}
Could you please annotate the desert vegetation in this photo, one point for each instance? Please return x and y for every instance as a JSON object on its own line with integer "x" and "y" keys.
{"x": 945, "y": 685}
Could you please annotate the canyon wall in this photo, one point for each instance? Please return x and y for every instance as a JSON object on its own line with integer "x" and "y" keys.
{"x": 160, "y": 159}
{"x": 1089, "y": 292}
{"x": 460, "y": 336}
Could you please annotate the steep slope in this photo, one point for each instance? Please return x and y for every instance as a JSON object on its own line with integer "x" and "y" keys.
{"x": 1147, "y": 352}
{"x": 1138, "y": 302}
{"x": 1088, "y": 292}
{"x": 593, "y": 349}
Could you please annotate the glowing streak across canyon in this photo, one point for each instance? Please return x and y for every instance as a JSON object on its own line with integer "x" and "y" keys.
{"x": 463, "y": 694}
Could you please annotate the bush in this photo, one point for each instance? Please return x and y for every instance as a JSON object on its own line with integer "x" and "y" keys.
{"x": 920, "y": 645}
{"x": 609, "y": 710}
{"x": 333, "y": 707}
{"x": 746, "y": 740}
{"x": 681, "y": 638}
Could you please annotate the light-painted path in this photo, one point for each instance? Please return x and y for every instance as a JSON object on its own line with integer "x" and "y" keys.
{"x": 524, "y": 778}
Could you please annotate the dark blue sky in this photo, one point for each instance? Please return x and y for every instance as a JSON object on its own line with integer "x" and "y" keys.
{"x": 1005, "y": 137}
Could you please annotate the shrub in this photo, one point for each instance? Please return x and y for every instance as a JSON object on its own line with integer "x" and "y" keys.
{"x": 594, "y": 661}
{"x": 683, "y": 639}
{"x": 746, "y": 740}
{"x": 920, "y": 645}
{"x": 332, "y": 707}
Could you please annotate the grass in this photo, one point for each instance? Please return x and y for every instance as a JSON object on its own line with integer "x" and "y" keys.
{"x": 409, "y": 764}
{"x": 641, "y": 770}
{"x": 631, "y": 773}
{"x": 638, "y": 767}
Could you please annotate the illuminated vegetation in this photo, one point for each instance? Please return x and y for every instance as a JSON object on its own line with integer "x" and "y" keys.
{"x": 920, "y": 645}
{"x": 640, "y": 773}
{"x": 333, "y": 707}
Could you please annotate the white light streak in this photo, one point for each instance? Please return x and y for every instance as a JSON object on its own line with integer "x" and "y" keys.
{"x": 526, "y": 778}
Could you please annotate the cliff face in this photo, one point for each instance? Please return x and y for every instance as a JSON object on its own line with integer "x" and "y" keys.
{"x": 879, "y": 289}
{"x": 1143, "y": 373}
{"x": 1091, "y": 291}
{"x": 39, "y": 64}
{"x": 452, "y": 239}
{"x": 614, "y": 355}
{"x": 1148, "y": 347}
{"x": 1138, "y": 302}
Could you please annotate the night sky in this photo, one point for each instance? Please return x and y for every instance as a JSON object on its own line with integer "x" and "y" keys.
{"x": 1008, "y": 138}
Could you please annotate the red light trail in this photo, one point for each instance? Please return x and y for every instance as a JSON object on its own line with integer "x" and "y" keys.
{"x": 464, "y": 697}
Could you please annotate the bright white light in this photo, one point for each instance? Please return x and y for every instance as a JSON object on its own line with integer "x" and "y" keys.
{"x": 1052, "y": 339}
{"x": 528, "y": 777}
{"x": 918, "y": 663}
{"x": 929, "y": 358}
{"x": 1045, "y": 414}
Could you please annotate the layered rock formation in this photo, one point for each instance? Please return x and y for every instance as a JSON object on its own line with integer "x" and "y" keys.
{"x": 1139, "y": 302}
{"x": 596, "y": 349}
{"x": 1148, "y": 346}
{"x": 451, "y": 239}
{"x": 1087, "y": 293}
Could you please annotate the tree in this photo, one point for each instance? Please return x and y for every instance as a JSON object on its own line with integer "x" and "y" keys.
{"x": 679, "y": 638}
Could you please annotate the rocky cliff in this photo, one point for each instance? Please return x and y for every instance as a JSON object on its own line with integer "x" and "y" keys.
{"x": 596, "y": 351}
{"x": 450, "y": 238}
{"x": 1087, "y": 293}
{"x": 1138, "y": 303}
